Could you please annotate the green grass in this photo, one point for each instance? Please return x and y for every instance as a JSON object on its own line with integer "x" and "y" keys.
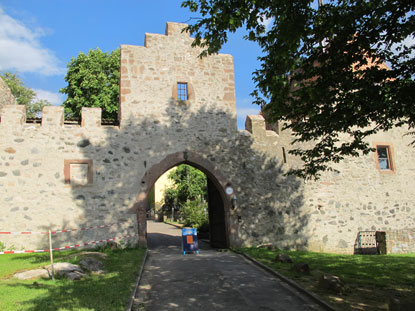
{"x": 370, "y": 279}
{"x": 109, "y": 291}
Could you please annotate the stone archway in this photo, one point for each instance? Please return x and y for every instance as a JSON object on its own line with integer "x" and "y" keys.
{"x": 223, "y": 223}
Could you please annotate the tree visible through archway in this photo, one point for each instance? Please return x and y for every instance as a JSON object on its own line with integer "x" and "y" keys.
{"x": 189, "y": 198}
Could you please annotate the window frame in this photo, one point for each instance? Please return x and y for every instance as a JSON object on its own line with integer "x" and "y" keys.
{"x": 182, "y": 92}
{"x": 190, "y": 92}
{"x": 390, "y": 156}
{"x": 67, "y": 171}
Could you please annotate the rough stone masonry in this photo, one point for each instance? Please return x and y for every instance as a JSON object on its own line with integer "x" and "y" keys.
{"x": 55, "y": 175}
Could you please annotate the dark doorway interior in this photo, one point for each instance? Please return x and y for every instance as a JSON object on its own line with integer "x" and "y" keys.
{"x": 217, "y": 225}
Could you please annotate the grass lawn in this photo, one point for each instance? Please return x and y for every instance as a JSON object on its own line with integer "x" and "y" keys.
{"x": 370, "y": 279}
{"x": 109, "y": 291}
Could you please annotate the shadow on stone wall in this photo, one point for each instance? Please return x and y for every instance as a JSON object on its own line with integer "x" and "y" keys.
{"x": 269, "y": 204}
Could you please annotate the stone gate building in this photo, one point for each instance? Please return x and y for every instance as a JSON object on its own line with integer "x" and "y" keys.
{"x": 177, "y": 108}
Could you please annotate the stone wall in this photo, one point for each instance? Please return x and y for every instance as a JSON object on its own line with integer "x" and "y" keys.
{"x": 400, "y": 241}
{"x": 358, "y": 196}
{"x": 161, "y": 185}
{"x": 55, "y": 175}
{"x": 6, "y": 97}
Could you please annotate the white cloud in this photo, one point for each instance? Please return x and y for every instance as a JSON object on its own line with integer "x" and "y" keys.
{"x": 21, "y": 50}
{"x": 266, "y": 22}
{"x": 410, "y": 42}
{"x": 55, "y": 99}
{"x": 247, "y": 111}
{"x": 241, "y": 114}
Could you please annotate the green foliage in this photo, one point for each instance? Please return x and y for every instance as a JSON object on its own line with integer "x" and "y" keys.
{"x": 188, "y": 195}
{"x": 24, "y": 95}
{"x": 189, "y": 184}
{"x": 2, "y": 246}
{"x": 314, "y": 72}
{"x": 93, "y": 81}
{"x": 170, "y": 199}
{"x": 195, "y": 215}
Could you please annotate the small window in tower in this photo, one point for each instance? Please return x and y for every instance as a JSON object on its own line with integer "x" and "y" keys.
{"x": 182, "y": 93}
{"x": 384, "y": 158}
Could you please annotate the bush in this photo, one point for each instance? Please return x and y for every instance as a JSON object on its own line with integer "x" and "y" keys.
{"x": 195, "y": 215}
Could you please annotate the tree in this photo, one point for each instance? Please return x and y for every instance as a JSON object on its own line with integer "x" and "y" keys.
{"x": 323, "y": 70}
{"x": 93, "y": 81}
{"x": 24, "y": 95}
{"x": 190, "y": 184}
{"x": 188, "y": 195}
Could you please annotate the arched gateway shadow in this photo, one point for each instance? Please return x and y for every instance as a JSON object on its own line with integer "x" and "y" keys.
{"x": 219, "y": 202}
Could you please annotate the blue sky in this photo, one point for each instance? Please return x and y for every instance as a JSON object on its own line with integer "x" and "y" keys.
{"x": 39, "y": 37}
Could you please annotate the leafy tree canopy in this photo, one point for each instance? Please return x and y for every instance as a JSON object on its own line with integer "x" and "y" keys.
{"x": 190, "y": 184}
{"x": 93, "y": 81}
{"x": 24, "y": 95}
{"x": 322, "y": 69}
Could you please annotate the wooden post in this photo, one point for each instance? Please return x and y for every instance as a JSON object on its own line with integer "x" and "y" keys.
{"x": 51, "y": 255}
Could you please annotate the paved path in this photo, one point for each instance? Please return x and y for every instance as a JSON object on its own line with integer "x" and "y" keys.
{"x": 211, "y": 280}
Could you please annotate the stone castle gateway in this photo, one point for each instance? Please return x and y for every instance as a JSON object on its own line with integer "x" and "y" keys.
{"x": 177, "y": 108}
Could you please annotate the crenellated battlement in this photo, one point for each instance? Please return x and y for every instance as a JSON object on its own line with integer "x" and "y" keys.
{"x": 172, "y": 30}
{"x": 255, "y": 124}
{"x": 14, "y": 116}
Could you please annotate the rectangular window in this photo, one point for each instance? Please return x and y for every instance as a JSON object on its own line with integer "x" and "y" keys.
{"x": 78, "y": 172}
{"x": 182, "y": 91}
{"x": 384, "y": 158}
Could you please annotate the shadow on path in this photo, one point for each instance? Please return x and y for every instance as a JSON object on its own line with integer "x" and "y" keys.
{"x": 209, "y": 281}
{"x": 163, "y": 236}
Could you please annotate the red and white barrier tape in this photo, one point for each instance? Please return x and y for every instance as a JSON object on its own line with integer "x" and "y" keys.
{"x": 59, "y": 231}
{"x": 68, "y": 247}
{"x": 29, "y": 232}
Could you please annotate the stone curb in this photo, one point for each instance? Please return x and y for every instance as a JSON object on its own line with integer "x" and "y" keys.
{"x": 131, "y": 302}
{"x": 289, "y": 281}
{"x": 174, "y": 225}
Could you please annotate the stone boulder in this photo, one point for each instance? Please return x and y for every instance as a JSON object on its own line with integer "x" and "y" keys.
{"x": 32, "y": 274}
{"x": 66, "y": 269}
{"x": 267, "y": 246}
{"x": 74, "y": 276}
{"x": 331, "y": 283}
{"x": 302, "y": 267}
{"x": 63, "y": 268}
{"x": 401, "y": 304}
{"x": 283, "y": 258}
{"x": 92, "y": 264}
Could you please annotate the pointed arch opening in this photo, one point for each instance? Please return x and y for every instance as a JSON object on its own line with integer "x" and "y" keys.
{"x": 219, "y": 202}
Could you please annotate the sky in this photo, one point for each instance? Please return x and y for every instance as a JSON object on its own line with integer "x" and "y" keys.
{"x": 39, "y": 37}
